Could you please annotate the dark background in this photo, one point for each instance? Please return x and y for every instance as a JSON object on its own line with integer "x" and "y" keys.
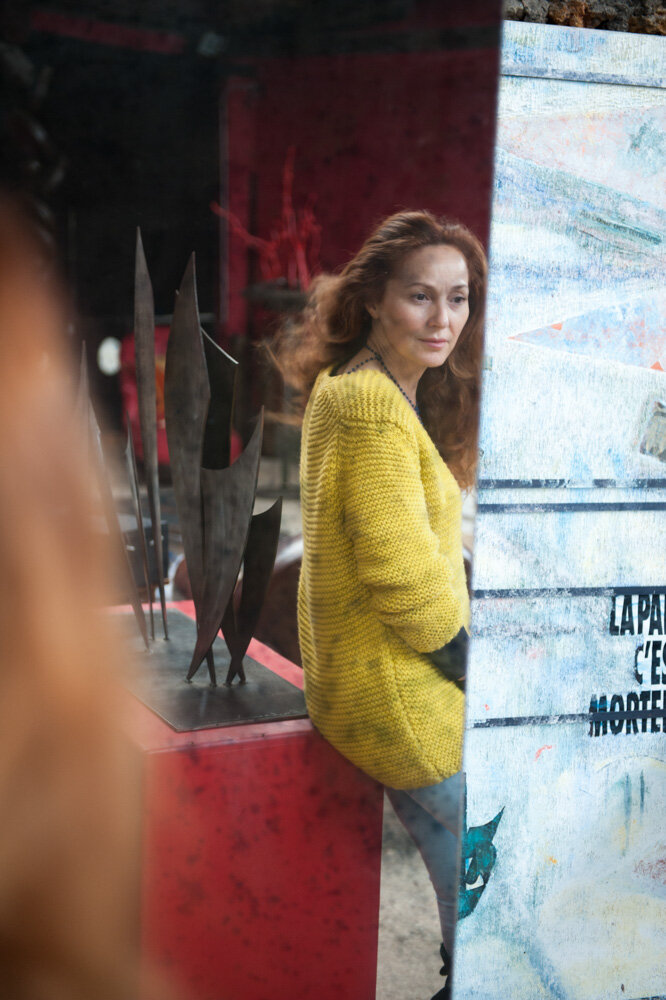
{"x": 153, "y": 110}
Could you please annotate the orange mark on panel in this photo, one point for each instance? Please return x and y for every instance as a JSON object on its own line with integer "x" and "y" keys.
{"x": 657, "y": 367}
{"x": 548, "y": 746}
{"x": 553, "y": 860}
{"x": 486, "y": 708}
{"x": 556, "y": 326}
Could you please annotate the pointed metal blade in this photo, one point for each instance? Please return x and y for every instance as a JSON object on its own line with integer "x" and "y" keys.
{"x": 258, "y": 561}
{"x": 144, "y": 343}
{"x": 186, "y": 399}
{"x": 111, "y": 516}
{"x": 222, "y": 370}
{"x": 132, "y": 474}
{"x": 228, "y": 499}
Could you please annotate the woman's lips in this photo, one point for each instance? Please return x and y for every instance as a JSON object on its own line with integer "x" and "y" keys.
{"x": 435, "y": 342}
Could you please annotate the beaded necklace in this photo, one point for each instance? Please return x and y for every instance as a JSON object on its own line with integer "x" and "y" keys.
{"x": 359, "y": 365}
{"x": 380, "y": 359}
{"x": 375, "y": 356}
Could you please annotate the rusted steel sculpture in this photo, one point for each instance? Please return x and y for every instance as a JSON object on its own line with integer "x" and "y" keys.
{"x": 133, "y": 477}
{"x": 240, "y": 620}
{"x": 99, "y": 470}
{"x": 92, "y": 443}
{"x": 227, "y": 501}
{"x": 214, "y": 499}
{"x": 144, "y": 343}
{"x": 222, "y": 380}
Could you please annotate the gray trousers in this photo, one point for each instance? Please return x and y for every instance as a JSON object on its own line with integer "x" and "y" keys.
{"x": 432, "y": 817}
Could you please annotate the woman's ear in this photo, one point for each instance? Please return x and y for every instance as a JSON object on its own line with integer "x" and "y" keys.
{"x": 372, "y": 309}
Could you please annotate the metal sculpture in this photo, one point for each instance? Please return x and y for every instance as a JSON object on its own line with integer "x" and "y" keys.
{"x": 99, "y": 469}
{"x": 216, "y": 453}
{"x": 133, "y": 477}
{"x": 214, "y": 498}
{"x": 221, "y": 536}
{"x": 186, "y": 401}
{"x": 144, "y": 342}
{"x": 227, "y": 500}
{"x": 92, "y": 443}
{"x": 239, "y": 622}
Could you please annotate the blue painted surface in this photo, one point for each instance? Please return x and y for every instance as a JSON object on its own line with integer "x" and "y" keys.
{"x": 632, "y": 332}
{"x": 579, "y": 240}
{"x": 575, "y": 343}
{"x": 549, "y": 52}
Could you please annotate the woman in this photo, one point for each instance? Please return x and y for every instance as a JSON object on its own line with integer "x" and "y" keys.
{"x": 390, "y": 352}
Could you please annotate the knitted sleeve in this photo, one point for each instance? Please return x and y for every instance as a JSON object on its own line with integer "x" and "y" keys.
{"x": 399, "y": 557}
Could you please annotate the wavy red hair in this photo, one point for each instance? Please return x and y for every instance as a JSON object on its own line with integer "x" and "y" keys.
{"x": 335, "y": 324}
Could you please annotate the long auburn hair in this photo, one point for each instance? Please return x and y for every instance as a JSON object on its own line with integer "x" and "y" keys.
{"x": 335, "y": 324}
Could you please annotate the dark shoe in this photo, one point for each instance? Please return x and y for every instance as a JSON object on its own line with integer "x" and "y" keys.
{"x": 445, "y": 992}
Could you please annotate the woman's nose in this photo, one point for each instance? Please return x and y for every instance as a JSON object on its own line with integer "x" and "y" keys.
{"x": 440, "y": 315}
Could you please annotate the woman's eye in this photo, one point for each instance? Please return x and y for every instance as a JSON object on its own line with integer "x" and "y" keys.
{"x": 420, "y": 297}
{"x": 459, "y": 299}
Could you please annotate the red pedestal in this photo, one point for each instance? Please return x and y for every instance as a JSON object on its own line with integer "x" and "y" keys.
{"x": 261, "y": 859}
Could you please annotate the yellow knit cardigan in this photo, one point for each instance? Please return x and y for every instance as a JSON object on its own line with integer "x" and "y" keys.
{"x": 382, "y": 582}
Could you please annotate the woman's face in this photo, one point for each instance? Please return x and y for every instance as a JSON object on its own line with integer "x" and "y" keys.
{"x": 424, "y": 308}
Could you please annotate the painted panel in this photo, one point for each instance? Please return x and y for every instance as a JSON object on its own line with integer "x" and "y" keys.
{"x": 569, "y": 545}
{"x": 613, "y": 402}
{"x": 566, "y": 698}
{"x": 550, "y": 655}
{"x": 575, "y": 907}
{"x": 548, "y": 52}
{"x": 577, "y": 256}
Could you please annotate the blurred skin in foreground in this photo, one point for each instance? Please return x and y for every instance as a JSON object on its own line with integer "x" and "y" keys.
{"x": 69, "y": 837}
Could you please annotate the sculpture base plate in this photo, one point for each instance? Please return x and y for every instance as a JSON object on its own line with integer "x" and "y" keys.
{"x": 157, "y": 678}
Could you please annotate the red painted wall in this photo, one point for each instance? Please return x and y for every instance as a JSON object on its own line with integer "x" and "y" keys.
{"x": 373, "y": 133}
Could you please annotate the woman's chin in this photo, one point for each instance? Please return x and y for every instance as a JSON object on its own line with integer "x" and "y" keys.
{"x": 436, "y": 360}
{"x": 433, "y": 355}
